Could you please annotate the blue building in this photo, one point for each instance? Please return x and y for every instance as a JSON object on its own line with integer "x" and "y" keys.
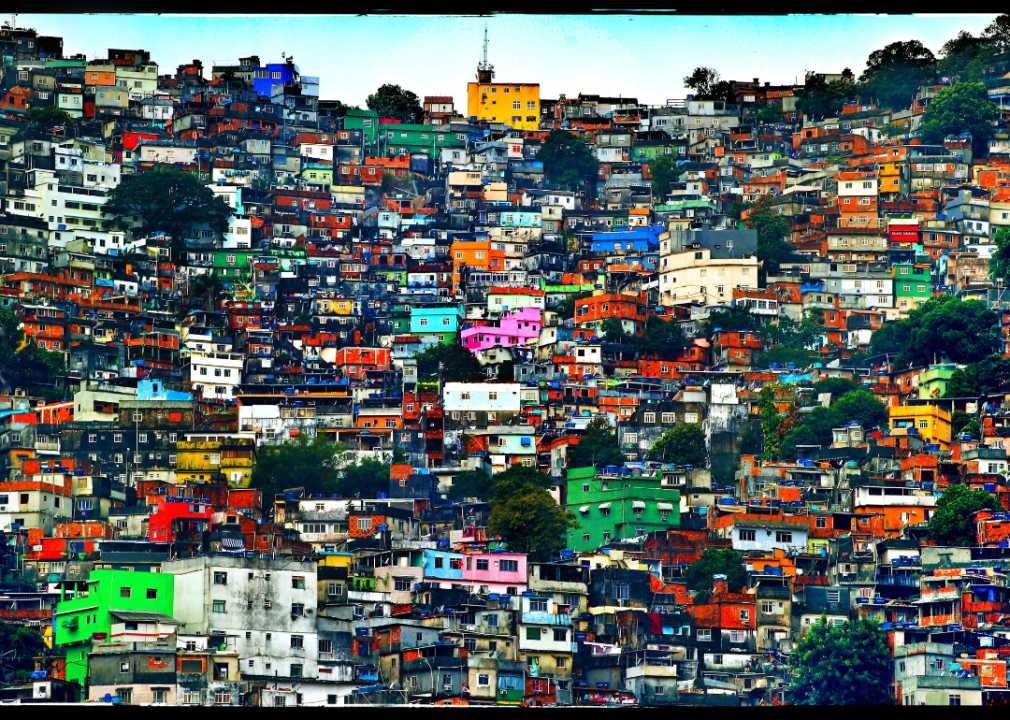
{"x": 274, "y": 74}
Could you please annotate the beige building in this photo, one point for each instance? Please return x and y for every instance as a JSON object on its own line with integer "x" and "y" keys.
{"x": 705, "y": 266}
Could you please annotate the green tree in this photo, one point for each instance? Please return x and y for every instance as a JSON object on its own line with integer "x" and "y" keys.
{"x": 170, "y": 201}
{"x": 962, "y": 330}
{"x": 458, "y": 364}
{"x": 804, "y": 335}
{"x": 961, "y": 108}
{"x": 784, "y": 356}
{"x": 847, "y": 664}
{"x": 962, "y": 423}
{"x": 471, "y": 483}
{"x": 209, "y": 287}
{"x": 32, "y": 368}
{"x": 392, "y": 101}
{"x": 299, "y": 463}
{"x": 506, "y": 371}
{"x": 894, "y": 73}
{"x": 19, "y": 646}
{"x": 769, "y": 114}
{"x": 738, "y": 317}
{"x": 47, "y": 118}
{"x": 568, "y": 159}
{"x": 598, "y": 447}
{"x": 819, "y": 98}
{"x": 708, "y": 85}
{"x": 665, "y": 172}
{"x": 566, "y": 308}
{"x": 775, "y": 424}
{"x": 835, "y": 385}
{"x": 989, "y": 375}
{"x": 965, "y": 57}
{"x": 998, "y": 32}
{"x": 681, "y": 445}
{"x": 854, "y": 406}
{"x": 527, "y": 519}
{"x": 366, "y": 479}
{"x": 612, "y": 330}
{"x": 953, "y": 521}
{"x": 661, "y": 337}
{"x": 516, "y": 476}
{"x": 999, "y": 261}
{"x": 717, "y": 561}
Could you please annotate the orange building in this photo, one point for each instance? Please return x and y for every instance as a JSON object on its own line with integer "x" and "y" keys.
{"x": 475, "y": 255}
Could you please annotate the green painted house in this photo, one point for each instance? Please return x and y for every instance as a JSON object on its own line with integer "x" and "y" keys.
{"x": 234, "y": 265}
{"x": 404, "y": 139}
{"x": 442, "y": 319}
{"x": 115, "y": 606}
{"x": 933, "y": 382}
{"x": 365, "y": 120}
{"x": 617, "y": 507}
{"x": 912, "y": 285}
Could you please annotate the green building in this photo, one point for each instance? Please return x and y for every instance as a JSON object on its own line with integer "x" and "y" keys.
{"x": 365, "y": 120}
{"x": 234, "y": 265}
{"x": 111, "y": 608}
{"x": 617, "y": 507}
{"x": 912, "y": 285}
{"x": 933, "y": 382}
{"x": 404, "y": 139}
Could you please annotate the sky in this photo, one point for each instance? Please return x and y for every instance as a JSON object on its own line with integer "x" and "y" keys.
{"x": 641, "y": 56}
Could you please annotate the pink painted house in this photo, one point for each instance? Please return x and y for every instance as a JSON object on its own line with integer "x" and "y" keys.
{"x": 515, "y": 329}
{"x": 500, "y": 572}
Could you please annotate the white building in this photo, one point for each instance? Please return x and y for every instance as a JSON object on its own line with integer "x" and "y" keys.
{"x": 268, "y": 605}
{"x": 496, "y": 397}
{"x": 215, "y": 374}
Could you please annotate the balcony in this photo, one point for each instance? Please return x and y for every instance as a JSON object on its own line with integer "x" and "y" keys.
{"x": 546, "y": 618}
{"x": 897, "y": 581}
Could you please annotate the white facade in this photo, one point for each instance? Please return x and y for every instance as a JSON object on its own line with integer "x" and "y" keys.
{"x": 491, "y": 397}
{"x": 166, "y": 154}
{"x": 268, "y": 605}
{"x": 214, "y": 374}
{"x": 693, "y": 276}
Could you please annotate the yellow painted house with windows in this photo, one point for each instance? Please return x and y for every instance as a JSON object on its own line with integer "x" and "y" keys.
{"x": 202, "y": 459}
{"x": 515, "y": 104}
{"x": 929, "y": 422}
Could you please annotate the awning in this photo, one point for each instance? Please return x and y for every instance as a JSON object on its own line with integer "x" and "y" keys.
{"x": 604, "y": 506}
{"x": 664, "y": 506}
{"x": 584, "y": 509}
{"x": 233, "y": 543}
{"x": 638, "y": 505}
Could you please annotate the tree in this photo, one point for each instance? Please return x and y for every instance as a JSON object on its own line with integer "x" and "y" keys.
{"x": 894, "y": 73}
{"x": 19, "y": 646}
{"x": 528, "y": 520}
{"x": 961, "y": 423}
{"x": 661, "y": 337}
{"x": 566, "y": 308}
{"x": 170, "y": 201}
{"x": 858, "y": 406}
{"x": 836, "y": 386}
{"x": 998, "y": 32}
{"x": 392, "y": 101}
{"x": 961, "y": 108}
{"x": 298, "y": 463}
{"x": 965, "y": 57}
{"x": 612, "y": 330}
{"x": 738, "y": 317}
{"x": 681, "y": 445}
{"x": 717, "y": 561}
{"x": 506, "y": 371}
{"x": 769, "y": 114}
{"x": 819, "y": 98}
{"x": 775, "y": 424}
{"x": 209, "y": 287}
{"x": 847, "y": 664}
{"x": 664, "y": 172}
{"x": 708, "y": 85}
{"x": 804, "y": 335}
{"x": 471, "y": 483}
{"x": 962, "y": 330}
{"x": 459, "y": 364}
{"x": 986, "y": 376}
{"x": 32, "y": 367}
{"x": 953, "y": 521}
{"x": 366, "y": 479}
{"x": 772, "y": 230}
{"x": 47, "y": 118}
{"x": 568, "y": 159}
{"x": 598, "y": 447}
{"x": 999, "y": 261}
{"x": 784, "y": 356}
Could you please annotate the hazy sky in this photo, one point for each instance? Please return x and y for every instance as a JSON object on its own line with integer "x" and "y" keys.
{"x": 639, "y": 56}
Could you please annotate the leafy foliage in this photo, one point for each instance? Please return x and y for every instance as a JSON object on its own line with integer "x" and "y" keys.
{"x": 459, "y": 364}
{"x": 894, "y": 73}
{"x": 170, "y": 201}
{"x": 836, "y": 386}
{"x": 681, "y": 445}
{"x": 19, "y": 646}
{"x": 708, "y": 85}
{"x": 803, "y": 335}
{"x": 299, "y": 462}
{"x": 47, "y": 118}
{"x": 471, "y": 483}
{"x": 661, "y": 337}
{"x": 209, "y": 287}
{"x": 784, "y": 356}
{"x": 664, "y": 173}
{"x": 953, "y": 522}
{"x": 506, "y": 371}
{"x": 965, "y": 57}
{"x": 820, "y": 99}
{"x": 854, "y": 406}
{"x": 33, "y": 367}
{"x": 769, "y": 114}
{"x": 986, "y": 376}
{"x": 738, "y": 317}
{"x": 961, "y": 423}
{"x": 525, "y": 516}
{"x": 392, "y": 101}
{"x": 772, "y": 230}
{"x": 962, "y": 330}
{"x": 717, "y": 561}
{"x": 568, "y": 159}
{"x": 775, "y": 424}
{"x": 369, "y": 477}
{"x": 964, "y": 107}
{"x": 847, "y": 664}
{"x": 598, "y": 447}
{"x": 999, "y": 261}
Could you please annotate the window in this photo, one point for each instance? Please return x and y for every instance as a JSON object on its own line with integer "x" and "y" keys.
{"x": 124, "y": 592}
{"x": 219, "y": 606}
{"x": 821, "y": 522}
{"x": 620, "y": 591}
{"x": 533, "y": 633}
{"x": 298, "y": 582}
{"x": 954, "y": 699}
{"x": 482, "y": 564}
{"x": 747, "y": 535}
{"x": 737, "y": 636}
{"x": 402, "y": 584}
{"x": 220, "y": 578}
{"x": 296, "y": 670}
{"x": 704, "y": 635}
{"x": 483, "y": 681}
{"x": 509, "y": 566}
{"x": 923, "y": 424}
{"x": 767, "y": 607}
{"x": 783, "y": 537}
{"x": 297, "y": 609}
{"x": 834, "y": 595}
{"x": 298, "y": 641}
{"x": 691, "y": 418}
{"x": 364, "y": 523}
{"x": 538, "y": 605}
{"x": 152, "y": 594}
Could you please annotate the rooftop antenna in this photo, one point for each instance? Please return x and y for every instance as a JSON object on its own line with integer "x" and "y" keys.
{"x": 485, "y": 70}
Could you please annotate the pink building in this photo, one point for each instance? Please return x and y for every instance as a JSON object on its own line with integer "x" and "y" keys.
{"x": 501, "y": 572}
{"x": 515, "y": 329}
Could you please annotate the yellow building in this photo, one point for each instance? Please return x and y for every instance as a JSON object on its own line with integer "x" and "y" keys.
{"x": 515, "y": 104}
{"x": 928, "y": 422}
{"x": 201, "y": 460}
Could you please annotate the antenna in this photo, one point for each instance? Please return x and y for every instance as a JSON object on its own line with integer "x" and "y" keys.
{"x": 485, "y": 42}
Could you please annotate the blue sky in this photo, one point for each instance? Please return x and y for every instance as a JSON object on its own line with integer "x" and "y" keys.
{"x": 639, "y": 56}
